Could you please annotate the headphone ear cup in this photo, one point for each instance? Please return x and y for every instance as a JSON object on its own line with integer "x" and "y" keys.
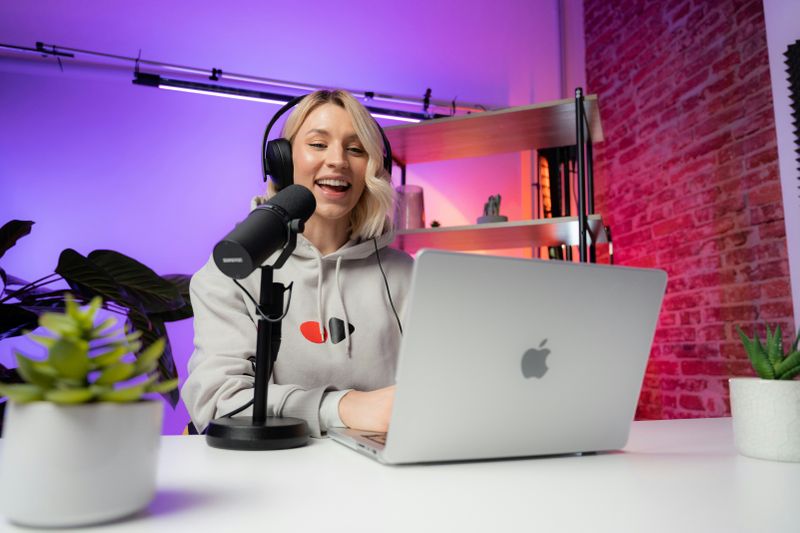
{"x": 387, "y": 158}
{"x": 278, "y": 162}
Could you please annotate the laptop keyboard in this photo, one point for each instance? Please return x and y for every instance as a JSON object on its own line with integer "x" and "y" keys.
{"x": 380, "y": 438}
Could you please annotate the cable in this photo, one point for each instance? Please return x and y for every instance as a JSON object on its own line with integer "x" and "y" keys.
{"x": 239, "y": 410}
{"x": 386, "y": 283}
{"x": 268, "y": 319}
{"x": 250, "y": 402}
{"x": 258, "y": 308}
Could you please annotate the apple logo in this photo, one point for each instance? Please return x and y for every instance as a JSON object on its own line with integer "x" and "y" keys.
{"x": 534, "y": 362}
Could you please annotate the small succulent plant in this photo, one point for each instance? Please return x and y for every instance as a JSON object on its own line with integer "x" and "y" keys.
{"x": 87, "y": 362}
{"x": 769, "y": 359}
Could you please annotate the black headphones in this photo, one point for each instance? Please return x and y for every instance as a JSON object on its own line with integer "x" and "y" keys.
{"x": 276, "y": 155}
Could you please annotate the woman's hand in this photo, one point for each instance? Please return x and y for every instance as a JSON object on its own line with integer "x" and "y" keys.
{"x": 369, "y": 411}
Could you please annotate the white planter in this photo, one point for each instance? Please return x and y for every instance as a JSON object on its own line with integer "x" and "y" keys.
{"x": 766, "y": 418}
{"x": 67, "y": 466}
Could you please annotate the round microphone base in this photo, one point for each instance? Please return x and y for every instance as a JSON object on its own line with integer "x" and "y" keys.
{"x": 275, "y": 433}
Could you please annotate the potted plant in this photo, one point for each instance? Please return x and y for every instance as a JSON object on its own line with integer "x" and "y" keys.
{"x": 128, "y": 288}
{"x": 766, "y": 409}
{"x": 81, "y": 439}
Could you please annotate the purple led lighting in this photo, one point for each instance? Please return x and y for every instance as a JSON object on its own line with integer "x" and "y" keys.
{"x": 224, "y": 95}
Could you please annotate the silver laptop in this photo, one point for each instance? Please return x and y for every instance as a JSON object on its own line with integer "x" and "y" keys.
{"x": 506, "y": 357}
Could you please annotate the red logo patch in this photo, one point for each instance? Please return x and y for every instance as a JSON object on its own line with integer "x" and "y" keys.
{"x": 310, "y": 331}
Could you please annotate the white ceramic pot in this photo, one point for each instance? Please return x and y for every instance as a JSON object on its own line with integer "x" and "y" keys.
{"x": 766, "y": 418}
{"x": 65, "y": 466}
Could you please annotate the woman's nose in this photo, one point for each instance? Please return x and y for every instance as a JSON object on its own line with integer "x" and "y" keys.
{"x": 337, "y": 157}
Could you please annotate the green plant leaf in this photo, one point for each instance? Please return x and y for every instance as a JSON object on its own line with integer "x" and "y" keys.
{"x": 21, "y": 392}
{"x": 94, "y": 305}
{"x": 11, "y": 232}
{"x": 69, "y": 383}
{"x": 147, "y": 359}
{"x": 88, "y": 279}
{"x": 71, "y": 308}
{"x": 791, "y": 373}
{"x": 134, "y": 335}
{"x": 796, "y": 340}
{"x": 151, "y": 291}
{"x": 109, "y": 357}
{"x": 69, "y": 396}
{"x": 775, "y": 346}
{"x": 99, "y": 390}
{"x": 181, "y": 283}
{"x": 128, "y": 394}
{"x": 70, "y": 357}
{"x": 115, "y": 373}
{"x": 758, "y": 358}
{"x": 761, "y": 362}
{"x": 41, "y": 340}
{"x": 61, "y": 325}
{"x": 163, "y": 386}
{"x": 86, "y": 318}
{"x": 791, "y": 361}
{"x": 104, "y": 328}
{"x": 33, "y": 372}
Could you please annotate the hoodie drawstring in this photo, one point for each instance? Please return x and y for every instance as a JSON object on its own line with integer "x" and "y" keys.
{"x": 319, "y": 298}
{"x": 344, "y": 309}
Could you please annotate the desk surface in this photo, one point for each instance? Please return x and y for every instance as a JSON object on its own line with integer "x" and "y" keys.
{"x": 673, "y": 476}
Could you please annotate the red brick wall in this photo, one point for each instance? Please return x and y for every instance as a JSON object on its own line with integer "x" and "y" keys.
{"x": 688, "y": 180}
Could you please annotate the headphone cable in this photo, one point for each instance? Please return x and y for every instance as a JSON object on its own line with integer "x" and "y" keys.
{"x": 386, "y": 283}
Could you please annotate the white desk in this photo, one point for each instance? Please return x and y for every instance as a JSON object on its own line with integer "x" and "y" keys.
{"x": 673, "y": 476}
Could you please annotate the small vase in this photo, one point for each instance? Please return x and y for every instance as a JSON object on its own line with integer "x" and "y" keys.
{"x": 766, "y": 418}
{"x": 67, "y": 466}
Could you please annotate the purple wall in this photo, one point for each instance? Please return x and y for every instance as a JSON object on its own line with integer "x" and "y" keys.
{"x": 160, "y": 176}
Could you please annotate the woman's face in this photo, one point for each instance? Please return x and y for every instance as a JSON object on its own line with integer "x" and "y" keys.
{"x": 330, "y": 161}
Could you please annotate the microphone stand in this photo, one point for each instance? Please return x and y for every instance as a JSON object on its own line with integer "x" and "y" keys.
{"x": 264, "y": 432}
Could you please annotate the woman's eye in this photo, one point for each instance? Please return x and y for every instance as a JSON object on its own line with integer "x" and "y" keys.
{"x": 356, "y": 150}
{"x": 317, "y": 145}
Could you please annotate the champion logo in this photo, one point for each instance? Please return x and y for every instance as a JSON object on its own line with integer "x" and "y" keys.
{"x": 311, "y": 331}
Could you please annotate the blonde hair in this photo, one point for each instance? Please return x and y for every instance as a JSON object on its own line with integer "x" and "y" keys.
{"x": 371, "y": 215}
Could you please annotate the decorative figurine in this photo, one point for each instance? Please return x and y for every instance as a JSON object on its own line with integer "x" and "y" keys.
{"x": 491, "y": 211}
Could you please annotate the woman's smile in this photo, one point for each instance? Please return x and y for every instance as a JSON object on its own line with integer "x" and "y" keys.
{"x": 333, "y": 187}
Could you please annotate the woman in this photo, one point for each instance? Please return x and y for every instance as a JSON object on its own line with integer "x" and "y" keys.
{"x": 341, "y": 335}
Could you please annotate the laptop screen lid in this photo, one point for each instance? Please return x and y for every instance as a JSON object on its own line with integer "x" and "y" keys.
{"x": 505, "y": 357}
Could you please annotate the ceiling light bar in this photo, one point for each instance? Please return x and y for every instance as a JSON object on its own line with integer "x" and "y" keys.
{"x": 222, "y": 94}
{"x": 395, "y": 117}
{"x": 79, "y": 56}
{"x": 154, "y": 80}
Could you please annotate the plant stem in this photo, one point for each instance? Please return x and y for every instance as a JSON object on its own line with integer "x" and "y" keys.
{"x": 30, "y": 286}
{"x": 114, "y": 308}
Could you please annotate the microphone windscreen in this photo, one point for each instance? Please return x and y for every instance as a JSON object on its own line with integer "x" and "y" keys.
{"x": 296, "y": 200}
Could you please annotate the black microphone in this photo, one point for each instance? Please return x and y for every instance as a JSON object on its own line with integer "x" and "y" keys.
{"x": 263, "y": 232}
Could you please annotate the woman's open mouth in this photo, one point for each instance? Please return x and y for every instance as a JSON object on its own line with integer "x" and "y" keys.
{"x": 332, "y": 186}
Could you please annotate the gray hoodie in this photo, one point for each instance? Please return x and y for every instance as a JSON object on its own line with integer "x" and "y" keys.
{"x": 320, "y": 359}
